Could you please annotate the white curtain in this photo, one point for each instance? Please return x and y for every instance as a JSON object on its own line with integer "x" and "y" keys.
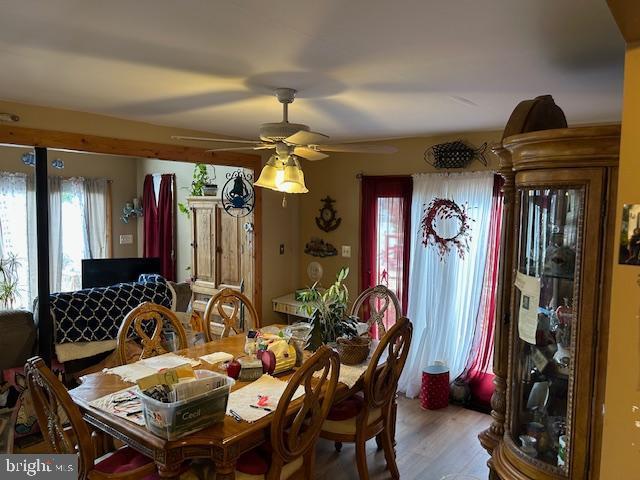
{"x": 444, "y": 293}
{"x": 14, "y": 234}
{"x": 77, "y": 229}
{"x": 56, "y": 228}
{"x": 95, "y": 211}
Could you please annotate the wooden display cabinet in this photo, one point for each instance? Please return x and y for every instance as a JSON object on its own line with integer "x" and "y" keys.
{"x": 555, "y": 303}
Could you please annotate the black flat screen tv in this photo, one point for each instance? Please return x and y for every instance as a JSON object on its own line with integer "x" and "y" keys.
{"x": 104, "y": 272}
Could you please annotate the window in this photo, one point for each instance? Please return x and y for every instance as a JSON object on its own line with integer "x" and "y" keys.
{"x": 74, "y": 247}
{"x": 14, "y": 237}
{"x": 386, "y": 203}
{"x": 390, "y": 248}
{"x": 73, "y": 231}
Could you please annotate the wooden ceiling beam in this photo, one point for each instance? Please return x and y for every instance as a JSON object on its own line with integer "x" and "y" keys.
{"x": 119, "y": 146}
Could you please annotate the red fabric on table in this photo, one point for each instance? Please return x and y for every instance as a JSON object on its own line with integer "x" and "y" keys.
{"x": 434, "y": 393}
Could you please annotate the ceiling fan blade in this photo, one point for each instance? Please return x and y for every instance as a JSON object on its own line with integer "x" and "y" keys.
{"x": 248, "y": 147}
{"x": 221, "y": 140}
{"x": 309, "y": 153}
{"x": 356, "y": 148}
{"x": 306, "y": 138}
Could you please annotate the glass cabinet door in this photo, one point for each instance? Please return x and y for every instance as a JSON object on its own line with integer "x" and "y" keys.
{"x": 545, "y": 314}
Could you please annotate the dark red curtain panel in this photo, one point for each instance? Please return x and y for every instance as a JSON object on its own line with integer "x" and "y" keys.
{"x": 479, "y": 370}
{"x": 159, "y": 224}
{"x": 373, "y": 189}
{"x": 151, "y": 246}
{"x": 165, "y": 227}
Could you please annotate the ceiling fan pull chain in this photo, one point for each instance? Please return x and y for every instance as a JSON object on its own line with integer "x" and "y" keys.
{"x": 284, "y": 200}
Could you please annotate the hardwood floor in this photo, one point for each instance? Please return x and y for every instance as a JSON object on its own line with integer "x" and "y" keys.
{"x": 431, "y": 444}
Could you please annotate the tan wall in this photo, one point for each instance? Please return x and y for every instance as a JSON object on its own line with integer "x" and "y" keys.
{"x": 120, "y": 170}
{"x": 336, "y": 176}
{"x": 621, "y": 436}
{"x": 279, "y": 225}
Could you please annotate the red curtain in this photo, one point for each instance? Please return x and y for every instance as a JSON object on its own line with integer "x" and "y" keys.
{"x": 150, "y": 216}
{"x": 479, "y": 372}
{"x": 159, "y": 224}
{"x": 386, "y": 204}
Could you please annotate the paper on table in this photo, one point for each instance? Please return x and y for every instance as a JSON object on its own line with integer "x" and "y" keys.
{"x": 216, "y": 357}
{"x": 124, "y": 404}
{"x": 241, "y": 399}
{"x": 143, "y": 368}
{"x": 529, "y": 301}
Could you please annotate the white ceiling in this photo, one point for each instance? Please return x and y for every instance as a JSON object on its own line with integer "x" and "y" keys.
{"x": 364, "y": 68}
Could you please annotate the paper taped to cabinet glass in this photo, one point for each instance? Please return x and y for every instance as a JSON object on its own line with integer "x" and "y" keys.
{"x": 529, "y": 300}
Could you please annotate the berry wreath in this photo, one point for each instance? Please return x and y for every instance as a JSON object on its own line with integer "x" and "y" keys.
{"x": 446, "y": 209}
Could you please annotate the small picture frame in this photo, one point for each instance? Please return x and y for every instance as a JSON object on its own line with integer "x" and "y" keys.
{"x": 629, "y": 247}
{"x": 525, "y": 302}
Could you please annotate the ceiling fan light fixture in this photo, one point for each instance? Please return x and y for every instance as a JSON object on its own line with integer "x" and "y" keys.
{"x": 291, "y": 172}
{"x": 293, "y": 180}
{"x": 269, "y": 174}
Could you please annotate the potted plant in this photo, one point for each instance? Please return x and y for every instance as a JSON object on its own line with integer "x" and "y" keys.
{"x": 9, "y": 280}
{"x": 201, "y": 185}
{"x": 328, "y": 311}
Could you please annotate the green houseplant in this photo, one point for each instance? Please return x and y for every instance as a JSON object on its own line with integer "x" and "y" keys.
{"x": 328, "y": 311}
{"x": 9, "y": 280}
{"x": 200, "y": 181}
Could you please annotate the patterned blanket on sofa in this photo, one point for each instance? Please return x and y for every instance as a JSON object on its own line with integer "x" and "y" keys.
{"x": 95, "y": 314}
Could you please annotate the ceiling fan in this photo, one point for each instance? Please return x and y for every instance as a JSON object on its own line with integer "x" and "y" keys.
{"x": 290, "y": 141}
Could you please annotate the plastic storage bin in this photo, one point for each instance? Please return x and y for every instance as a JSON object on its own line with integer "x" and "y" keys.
{"x": 177, "y": 419}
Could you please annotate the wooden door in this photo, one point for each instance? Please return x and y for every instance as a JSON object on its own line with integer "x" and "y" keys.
{"x": 235, "y": 254}
{"x": 203, "y": 241}
{"x": 228, "y": 250}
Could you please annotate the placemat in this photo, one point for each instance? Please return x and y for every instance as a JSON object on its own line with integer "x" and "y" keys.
{"x": 240, "y": 400}
{"x": 143, "y": 368}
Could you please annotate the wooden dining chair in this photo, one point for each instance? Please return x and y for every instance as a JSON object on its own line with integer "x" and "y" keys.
{"x": 291, "y": 450}
{"x": 54, "y": 409}
{"x": 361, "y": 418}
{"x": 229, "y": 305}
{"x": 379, "y": 299}
{"x": 148, "y": 317}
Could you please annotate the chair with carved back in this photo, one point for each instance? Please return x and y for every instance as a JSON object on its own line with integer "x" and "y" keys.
{"x": 291, "y": 450}
{"x": 362, "y": 417}
{"x": 65, "y": 432}
{"x": 376, "y": 302}
{"x": 148, "y": 317}
{"x": 230, "y": 305}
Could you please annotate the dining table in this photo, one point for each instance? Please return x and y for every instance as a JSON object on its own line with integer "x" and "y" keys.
{"x": 221, "y": 442}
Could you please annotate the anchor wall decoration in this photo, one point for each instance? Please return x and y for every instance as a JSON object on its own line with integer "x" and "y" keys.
{"x": 328, "y": 221}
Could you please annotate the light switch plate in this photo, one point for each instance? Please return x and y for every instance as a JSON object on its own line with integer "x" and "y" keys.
{"x": 346, "y": 251}
{"x": 126, "y": 239}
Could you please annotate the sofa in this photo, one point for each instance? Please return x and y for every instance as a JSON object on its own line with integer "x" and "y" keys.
{"x": 86, "y": 322}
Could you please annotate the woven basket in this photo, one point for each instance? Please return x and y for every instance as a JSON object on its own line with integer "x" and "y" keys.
{"x": 353, "y": 351}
